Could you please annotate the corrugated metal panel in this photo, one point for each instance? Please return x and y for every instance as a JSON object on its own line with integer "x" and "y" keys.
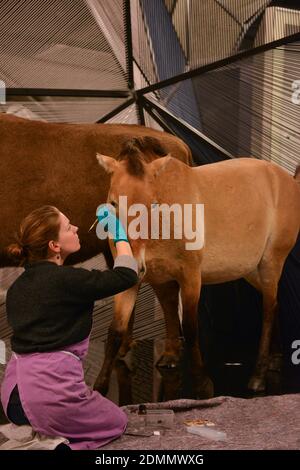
{"x": 251, "y": 107}
{"x": 206, "y": 31}
{"x": 276, "y": 23}
{"x": 141, "y": 43}
{"x": 75, "y": 110}
{"x": 127, "y": 116}
{"x": 62, "y": 44}
{"x": 150, "y": 122}
{"x": 142, "y": 376}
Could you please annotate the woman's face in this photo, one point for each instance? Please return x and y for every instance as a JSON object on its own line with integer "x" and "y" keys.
{"x": 67, "y": 236}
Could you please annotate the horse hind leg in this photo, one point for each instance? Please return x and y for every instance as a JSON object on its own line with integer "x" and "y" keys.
{"x": 253, "y": 278}
{"x": 269, "y": 272}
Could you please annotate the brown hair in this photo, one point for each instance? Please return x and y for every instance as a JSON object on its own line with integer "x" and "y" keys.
{"x": 35, "y": 232}
{"x": 138, "y": 151}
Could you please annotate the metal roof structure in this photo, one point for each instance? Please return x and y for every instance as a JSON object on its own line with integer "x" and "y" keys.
{"x": 150, "y": 62}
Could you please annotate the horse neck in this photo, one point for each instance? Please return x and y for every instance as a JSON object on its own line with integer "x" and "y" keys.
{"x": 175, "y": 179}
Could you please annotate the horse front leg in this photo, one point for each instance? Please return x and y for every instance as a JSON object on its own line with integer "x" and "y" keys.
{"x": 190, "y": 293}
{"x": 123, "y": 307}
{"x": 168, "y": 296}
{"x": 170, "y": 362}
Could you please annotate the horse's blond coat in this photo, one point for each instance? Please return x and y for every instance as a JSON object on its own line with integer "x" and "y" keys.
{"x": 252, "y": 220}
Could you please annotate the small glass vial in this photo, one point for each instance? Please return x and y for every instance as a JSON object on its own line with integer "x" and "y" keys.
{"x": 208, "y": 432}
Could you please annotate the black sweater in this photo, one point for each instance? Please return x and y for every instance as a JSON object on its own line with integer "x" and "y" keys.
{"x": 50, "y": 306}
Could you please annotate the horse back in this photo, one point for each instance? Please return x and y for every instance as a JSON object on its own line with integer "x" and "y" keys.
{"x": 250, "y": 206}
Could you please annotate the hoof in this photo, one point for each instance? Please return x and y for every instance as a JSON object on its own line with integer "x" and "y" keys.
{"x": 167, "y": 362}
{"x": 276, "y": 363}
{"x": 257, "y": 384}
{"x": 126, "y": 348}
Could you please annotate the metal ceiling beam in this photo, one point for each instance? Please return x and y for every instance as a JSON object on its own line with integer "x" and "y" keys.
{"x": 148, "y": 104}
{"x": 116, "y": 111}
{"x": 140, "y": 111}
{"x": 130, "y": 59}
{"x": 68, "y": 93}
{"x": 128, "y": 44}
{"x": 219, "y": 63}
{"x": 159, "y": 120}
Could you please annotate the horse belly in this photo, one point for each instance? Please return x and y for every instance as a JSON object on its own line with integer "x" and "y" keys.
{"x": 159, "y": 271}
{"x": 229, "y": 259}
{"x": 227, "y": 268}
{"x": 164, "y": 260}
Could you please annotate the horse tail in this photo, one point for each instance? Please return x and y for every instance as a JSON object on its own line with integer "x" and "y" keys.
{"x": 297, "y": 178}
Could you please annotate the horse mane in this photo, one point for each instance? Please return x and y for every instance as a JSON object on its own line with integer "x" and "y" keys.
{"x": 138, "y": 151}
{"x": 297, "y": 173}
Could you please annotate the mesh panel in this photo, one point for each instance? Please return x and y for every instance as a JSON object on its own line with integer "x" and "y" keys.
{"x": 127, "y": 116}
{"x": 60, "y": 44}
{"x": 250, "y": 107}
{"x": 76, "y": 110}
{"x": 150, "y": 122}
{"x": 174, "y": 37}
{"x": 141, "y": 42}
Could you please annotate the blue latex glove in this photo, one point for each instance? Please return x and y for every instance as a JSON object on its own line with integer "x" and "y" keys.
{"x": 109, "y": 222}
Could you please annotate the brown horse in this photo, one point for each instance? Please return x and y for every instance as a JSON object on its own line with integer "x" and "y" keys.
{"x": 49, "y": 163}
{"x": 251, "y": 222}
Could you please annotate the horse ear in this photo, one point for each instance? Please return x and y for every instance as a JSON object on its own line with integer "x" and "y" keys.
{"x": 160, "y": 164}
{"x": 108, "y": 163}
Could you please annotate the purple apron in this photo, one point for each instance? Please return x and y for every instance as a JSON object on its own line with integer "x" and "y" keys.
{"x": 57, "y": 401}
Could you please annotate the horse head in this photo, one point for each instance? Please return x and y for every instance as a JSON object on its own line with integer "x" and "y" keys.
{"x": 133, "y": 186}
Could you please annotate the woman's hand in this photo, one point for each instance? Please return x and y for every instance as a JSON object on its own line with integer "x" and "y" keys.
{"x": 109, "y": 222}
